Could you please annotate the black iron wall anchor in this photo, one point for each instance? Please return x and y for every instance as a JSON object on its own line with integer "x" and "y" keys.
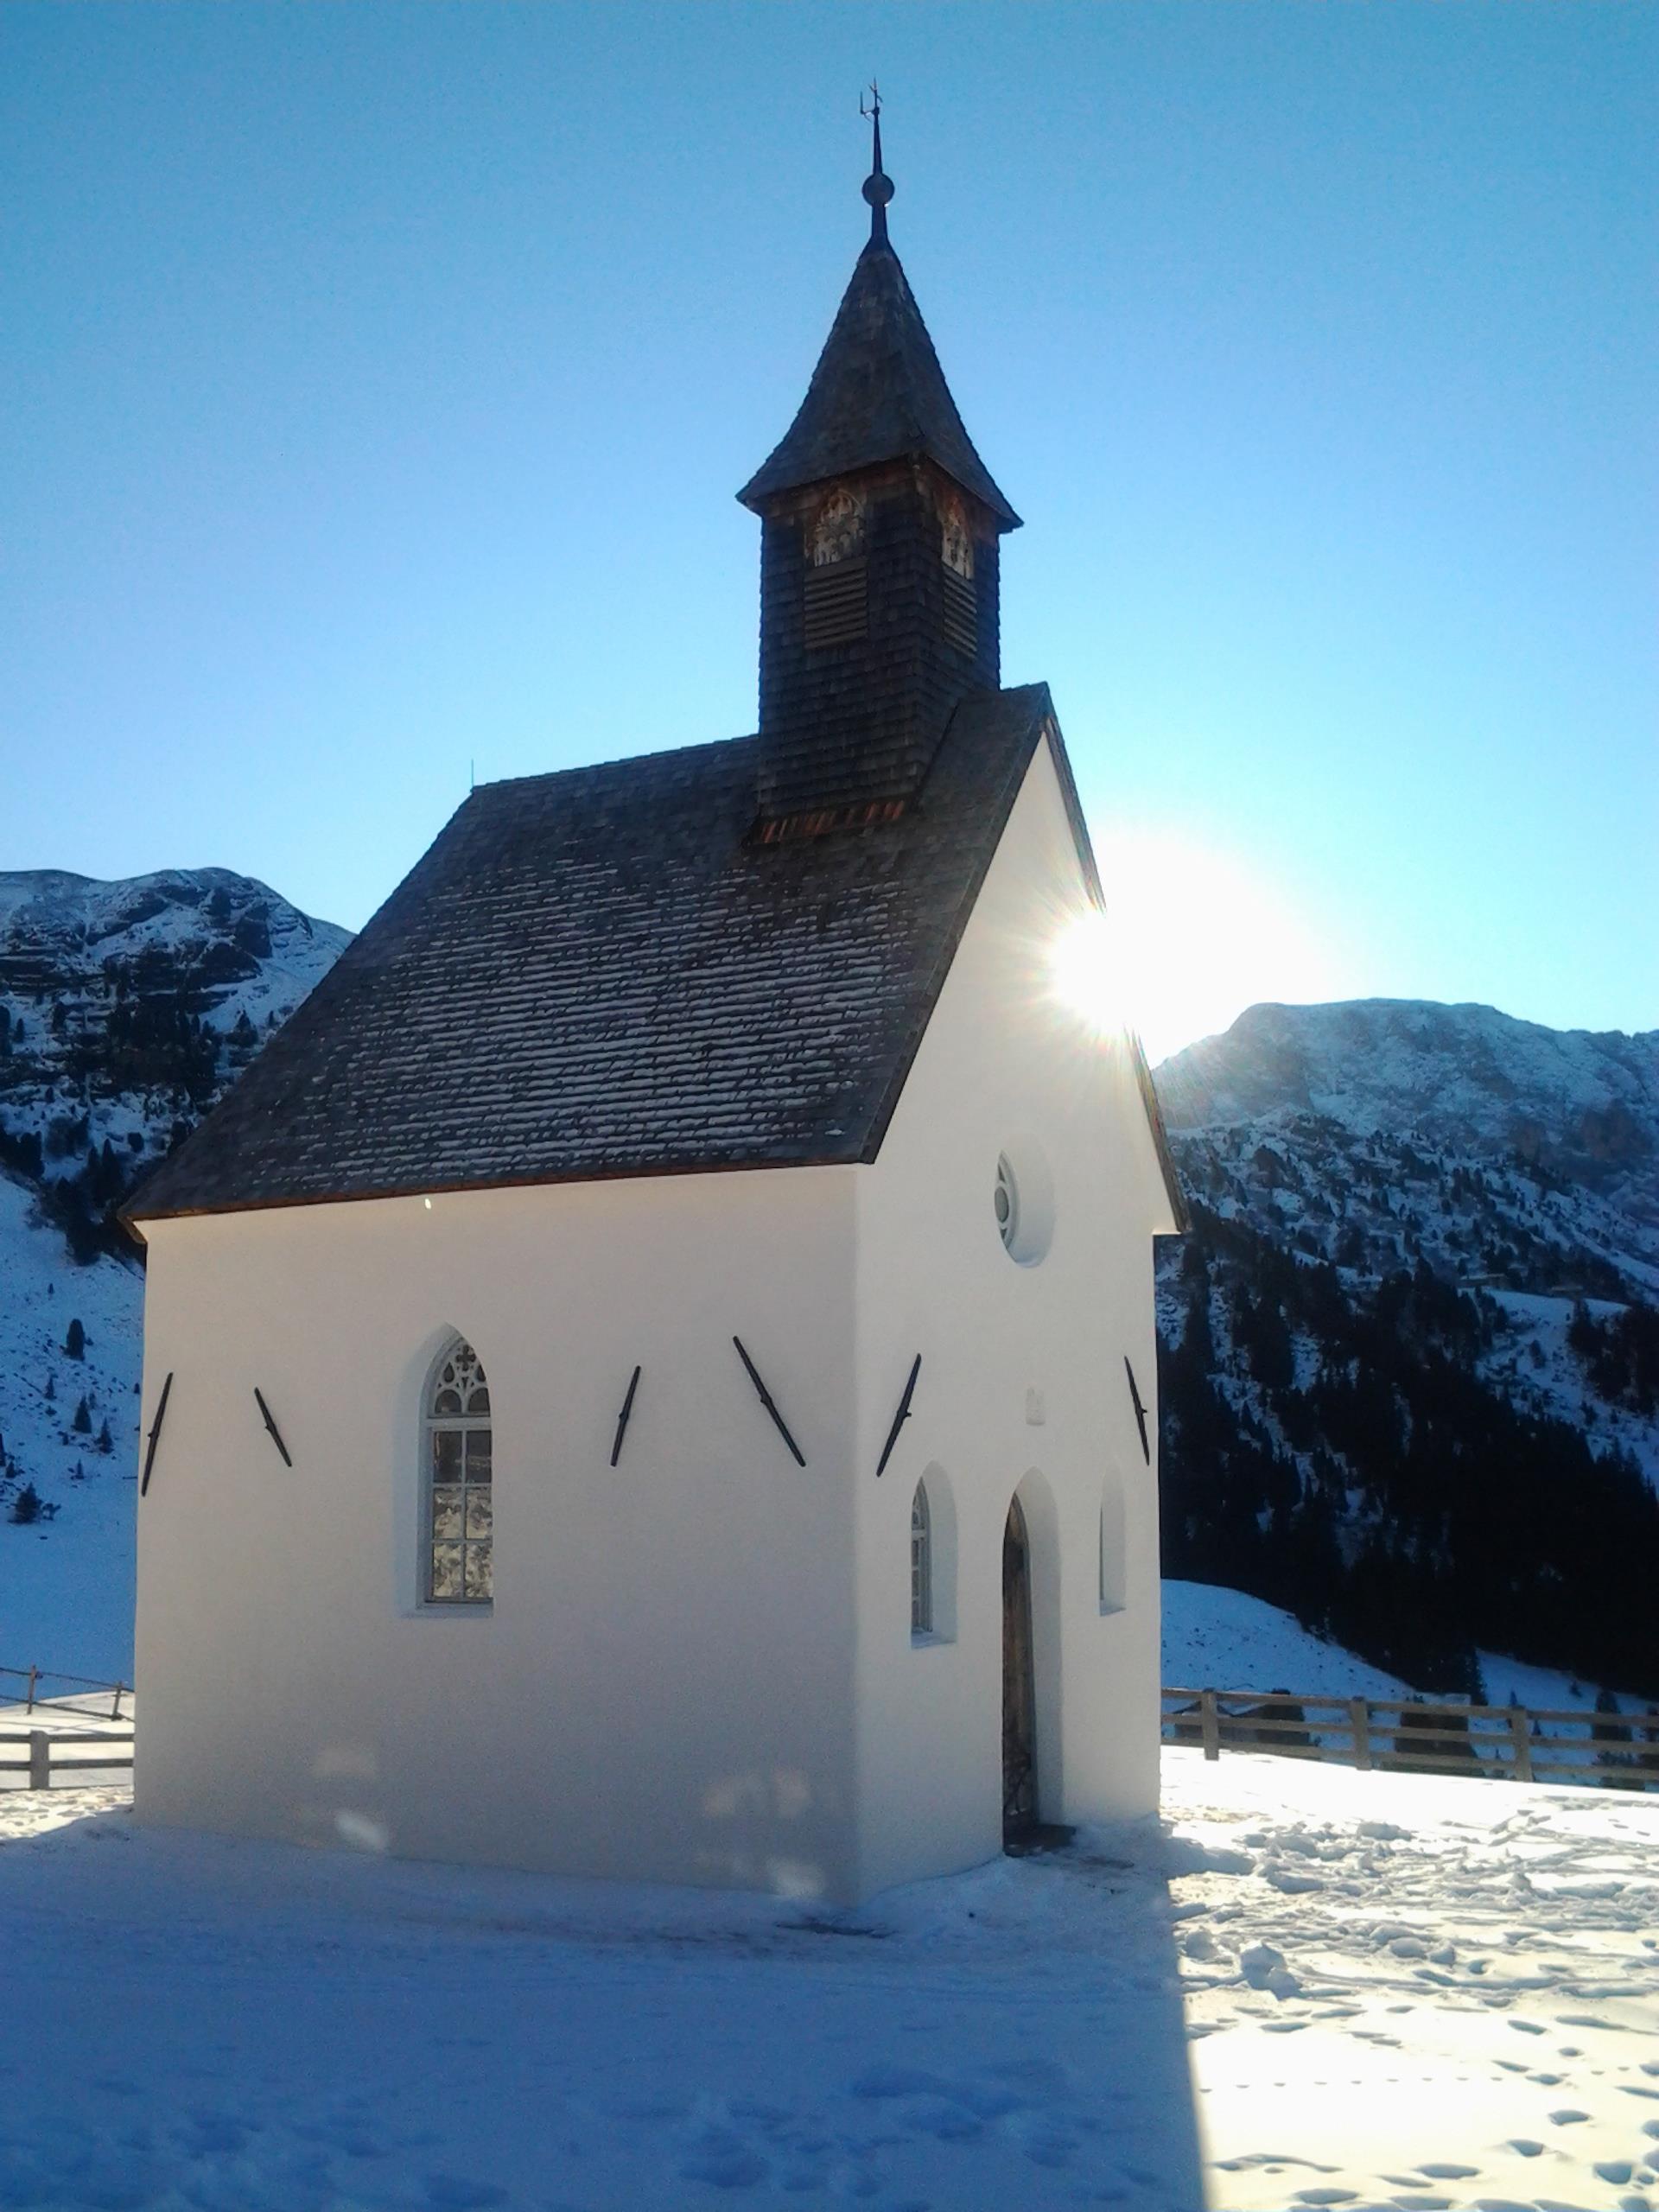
{"x": 154, "y": 1433}
{"x": 767, "y": 1400}
{"x": 1140, "y": 1412}
{"x": 899, "y": 1417}
{"x": 622, "y": 1418}
{"x": 276, "y": 1433}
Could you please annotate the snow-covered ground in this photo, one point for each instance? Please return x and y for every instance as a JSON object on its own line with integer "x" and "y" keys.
{"x": 1305, "y": 1987}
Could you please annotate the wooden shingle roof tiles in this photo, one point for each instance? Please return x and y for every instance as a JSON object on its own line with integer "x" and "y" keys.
{"x": 598, "y": 973}
{"x": 878, "y": 394}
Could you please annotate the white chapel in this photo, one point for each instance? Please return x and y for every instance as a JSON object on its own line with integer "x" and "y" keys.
{"x": 650, "y": 1373}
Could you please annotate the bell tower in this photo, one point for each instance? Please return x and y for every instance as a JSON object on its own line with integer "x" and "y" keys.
{"x": 880, "y": 535}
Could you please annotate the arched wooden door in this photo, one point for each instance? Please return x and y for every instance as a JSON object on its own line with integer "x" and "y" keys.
{"x": 1018, "y": 1698}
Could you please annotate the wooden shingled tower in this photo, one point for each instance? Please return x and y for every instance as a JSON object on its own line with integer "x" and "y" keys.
{"x": 878, "y": 545}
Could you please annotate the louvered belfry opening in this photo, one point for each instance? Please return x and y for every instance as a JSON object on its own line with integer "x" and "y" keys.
{"x": 836, "y": 609}
{"x": 879, "y": 531}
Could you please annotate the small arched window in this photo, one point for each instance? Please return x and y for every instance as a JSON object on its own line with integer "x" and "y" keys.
{"x": 921, "y": 1564}
{"x": 458, "y": 1519}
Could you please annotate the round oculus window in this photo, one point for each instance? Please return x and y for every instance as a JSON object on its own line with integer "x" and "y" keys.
{"x": 1007, "y": 1202}
{"x": 1022, "y": 1199}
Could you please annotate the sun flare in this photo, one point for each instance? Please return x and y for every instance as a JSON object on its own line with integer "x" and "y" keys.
{"x": 1190, "y": 938}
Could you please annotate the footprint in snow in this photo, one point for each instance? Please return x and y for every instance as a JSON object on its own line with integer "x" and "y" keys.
{"x": 725, "y": 2161}
{"x": 947, "y": 2122}
{"x": 1444, "y": 2170}
{"x": 1524, "y": 2147}
{"x": 454, "y": 2193}
{"x": 1615, "y": 2169}
{"x": 1568, "y": 2116}
{"x": 1292, "y": 1885}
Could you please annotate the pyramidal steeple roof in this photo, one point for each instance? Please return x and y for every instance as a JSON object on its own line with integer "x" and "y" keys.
{"x": 878, "y": 392}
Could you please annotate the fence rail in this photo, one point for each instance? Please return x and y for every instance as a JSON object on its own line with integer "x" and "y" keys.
{"x": 1408, "y": 1735}
{"x": 30, "y": 1693}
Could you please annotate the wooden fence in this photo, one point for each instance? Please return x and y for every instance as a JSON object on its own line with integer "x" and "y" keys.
{"x": 1400, "y": 1735}
{"x": 31, "y": 1758}
{"x": 1390, "y": 1735}
{"x": 31, "y": 1689}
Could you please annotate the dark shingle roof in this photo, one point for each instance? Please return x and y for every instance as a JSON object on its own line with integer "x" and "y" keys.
{"x": 877, "y": 394}
{"x": 594, "y": 974}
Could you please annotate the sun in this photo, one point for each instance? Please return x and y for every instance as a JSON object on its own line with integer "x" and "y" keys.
{"x": 1190, "y": 938}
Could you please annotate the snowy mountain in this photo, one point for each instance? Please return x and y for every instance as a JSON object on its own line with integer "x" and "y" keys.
{"x": 125, "y": 1009}
{"x": 1584, "y": 1107}
{"x": 1410, "y": 1350}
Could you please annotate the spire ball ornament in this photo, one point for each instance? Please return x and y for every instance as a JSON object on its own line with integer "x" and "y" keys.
{"x": 878, "y": 188}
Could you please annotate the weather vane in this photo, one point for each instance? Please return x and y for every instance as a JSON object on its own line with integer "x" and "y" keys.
{"x": 878, "y": 186}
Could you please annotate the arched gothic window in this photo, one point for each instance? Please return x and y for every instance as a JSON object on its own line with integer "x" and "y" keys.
{"x": 921, "y": 1564}
{"x": 457, "y": 1486}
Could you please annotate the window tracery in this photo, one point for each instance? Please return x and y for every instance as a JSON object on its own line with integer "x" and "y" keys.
{"x": 458, "y": 1490}
{"x": 921, "y": 1564}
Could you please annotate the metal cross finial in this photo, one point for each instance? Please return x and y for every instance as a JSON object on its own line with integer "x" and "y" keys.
{"x": 878, "y": 186}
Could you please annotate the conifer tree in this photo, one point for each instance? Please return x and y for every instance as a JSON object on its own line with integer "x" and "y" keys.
{"x": 82, "y": 1423}
{"x": 74, "y": 1342}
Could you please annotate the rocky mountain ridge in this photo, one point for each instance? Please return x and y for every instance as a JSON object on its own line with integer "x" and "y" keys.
{"x": 125, "y": 1009}
{"x": 1581, "y": 1104}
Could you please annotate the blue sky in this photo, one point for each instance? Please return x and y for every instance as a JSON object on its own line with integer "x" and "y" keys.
{"x": 377, "y": 380}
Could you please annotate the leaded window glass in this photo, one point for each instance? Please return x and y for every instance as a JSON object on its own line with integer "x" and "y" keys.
{"x": 459, "y": 1515}
{"x": 921, "y": 1565}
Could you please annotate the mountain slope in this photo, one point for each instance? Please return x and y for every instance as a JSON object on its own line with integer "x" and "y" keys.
{"x": 125, "y": 1009}
{"x": 1410, "y": 1350}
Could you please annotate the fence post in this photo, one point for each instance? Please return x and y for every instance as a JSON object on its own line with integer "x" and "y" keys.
{"x": 40, "y": 1759}
{"x": 115, "y": 1710}
{"x": 34, "y": 1676}
{"x": 1209, "y": 1722}
{"x": 1359, "y": 1714}
{"x": 1522, "y": 1743}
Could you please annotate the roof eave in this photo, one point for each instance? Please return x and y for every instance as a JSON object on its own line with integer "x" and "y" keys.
{"x": 762, "y": 490}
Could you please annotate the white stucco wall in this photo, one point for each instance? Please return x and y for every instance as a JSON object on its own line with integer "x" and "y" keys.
{"x": 662, "y": 1688}
{"x": 1022, "y": 1386}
